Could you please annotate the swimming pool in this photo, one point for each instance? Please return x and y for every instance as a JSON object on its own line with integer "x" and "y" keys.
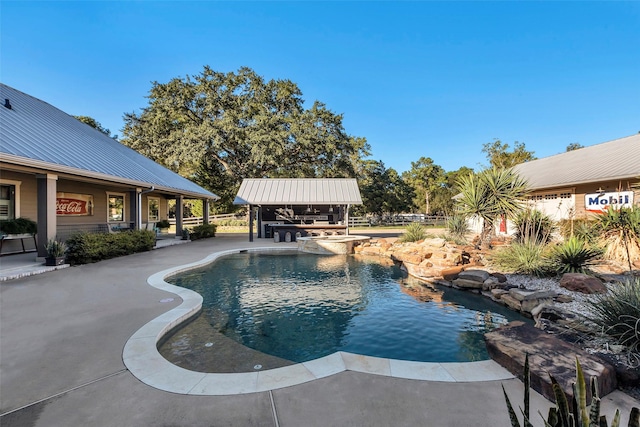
{"x": 300, "y": 307}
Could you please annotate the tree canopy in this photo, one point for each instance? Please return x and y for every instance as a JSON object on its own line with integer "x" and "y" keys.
{"x": 383, "y": 190}
{"x": 218, "y": 128}
{"x": 574, "y": 146}
{"x": 96, "y": 125}
{"x": 500, "y": 157}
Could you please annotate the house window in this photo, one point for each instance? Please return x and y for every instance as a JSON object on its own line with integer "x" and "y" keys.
{"x": 116, "y": 207}
{"x": 154, "y": 209}
{"x": 7, "y": 201}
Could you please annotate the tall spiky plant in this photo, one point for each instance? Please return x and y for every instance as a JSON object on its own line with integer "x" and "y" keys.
{"x": 621, "y": 233}
{"x": 562, "y": 415}
{"x": 490, "y": 194}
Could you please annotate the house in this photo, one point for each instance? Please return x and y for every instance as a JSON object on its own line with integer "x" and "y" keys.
{"x": 588, "y": 180}
{"x": 299, "y": 206}
{"x": 68, "y": 176}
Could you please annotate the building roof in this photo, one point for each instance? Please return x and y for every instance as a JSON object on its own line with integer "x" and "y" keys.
{"x": 614, "y": 160}
{"x": 281, "y": 191}
{"x": 36, "y": 134}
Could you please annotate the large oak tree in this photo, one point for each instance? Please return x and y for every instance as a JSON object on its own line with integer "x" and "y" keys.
{"x": 218, "y": 128}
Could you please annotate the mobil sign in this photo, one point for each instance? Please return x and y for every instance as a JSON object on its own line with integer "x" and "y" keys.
{"x": 599, "y": 202}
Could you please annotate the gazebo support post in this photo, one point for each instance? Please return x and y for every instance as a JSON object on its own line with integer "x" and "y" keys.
{"x": 251, "y": 223}
{"x": 260, "y": 221}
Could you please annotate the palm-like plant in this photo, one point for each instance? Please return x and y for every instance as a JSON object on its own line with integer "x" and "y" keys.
{"x": 573, "y": 256}
{"x": 490, "y": 194}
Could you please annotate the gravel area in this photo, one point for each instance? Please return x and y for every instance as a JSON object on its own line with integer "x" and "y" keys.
{"x": 580, "y": 305}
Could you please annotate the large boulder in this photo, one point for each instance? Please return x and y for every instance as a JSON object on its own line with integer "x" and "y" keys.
{"x": 548, "y": 355}
{"x": 584, "y": 283}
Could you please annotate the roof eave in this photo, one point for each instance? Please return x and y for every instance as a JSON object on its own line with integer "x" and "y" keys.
{"x": 53, "y": 167}
{"x": 574, "y": 183}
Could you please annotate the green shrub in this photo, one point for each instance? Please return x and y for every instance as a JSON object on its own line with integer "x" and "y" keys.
{"x": 55, "y": 248}
{"x": 532, "y": 224}
{"x": 617, "y": 313}
{"x": 524, "y": 258}
{"x": 457, "y": 228}
{"x": 413, "y": 233}
{"x": 584, "y": 229}
{"x": 18, "y": 226}
{"x": 163, "y": 223}
{"x": 202, "y": 231}
{"x": 573, "y": 256}
{"x": 233, "y": 223}
{"x": 84, "y": 248}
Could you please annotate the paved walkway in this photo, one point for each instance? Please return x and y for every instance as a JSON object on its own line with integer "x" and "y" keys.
{"x": 62, "y": 336}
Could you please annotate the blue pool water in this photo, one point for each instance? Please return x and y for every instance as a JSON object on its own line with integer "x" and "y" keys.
{"x": 300, "y": 307}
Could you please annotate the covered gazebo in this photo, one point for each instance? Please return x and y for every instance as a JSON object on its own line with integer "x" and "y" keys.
{"x": 296, "y": 207}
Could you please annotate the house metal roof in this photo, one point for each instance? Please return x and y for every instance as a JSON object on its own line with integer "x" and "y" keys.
{"x": 281, "y": 191}
{"x": 609, "y": 161}
{"x": 36, "y": 134}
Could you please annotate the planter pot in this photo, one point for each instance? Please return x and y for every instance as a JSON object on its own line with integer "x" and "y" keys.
{"x": 53, "y": 261}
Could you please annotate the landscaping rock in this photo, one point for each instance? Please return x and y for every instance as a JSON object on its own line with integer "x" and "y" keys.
{"x": 563, "y": 298}
{"x": 497, "y": 292}
{"x": 467, "y": 284}
{"x": 579, "y": 282}
{"x": 475, "y": 275}
{"x": 511, "y": 302}
{"x": 508, "y": 345}
{"x": 528, "y": 305}
{"x": 435, "y": 242}
{"x": 526, "y": 295}
{"x": 451, "y": 273}
{"x": 490, "y": 283}
{"x": 501, "y": 277}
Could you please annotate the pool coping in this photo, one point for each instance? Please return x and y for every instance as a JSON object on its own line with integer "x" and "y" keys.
{"x": 142, "y": 359}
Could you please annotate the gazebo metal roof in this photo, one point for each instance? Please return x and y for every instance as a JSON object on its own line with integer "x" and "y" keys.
{"x": 291, "y": 191}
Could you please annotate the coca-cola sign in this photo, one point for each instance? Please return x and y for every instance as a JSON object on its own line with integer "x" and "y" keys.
{"x": 74, "y": 204}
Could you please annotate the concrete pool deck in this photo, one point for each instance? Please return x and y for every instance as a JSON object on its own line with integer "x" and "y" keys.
{"x": 63, "y": 333}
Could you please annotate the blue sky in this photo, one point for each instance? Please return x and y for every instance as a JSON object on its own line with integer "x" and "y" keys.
{"x": 432, "y": 79}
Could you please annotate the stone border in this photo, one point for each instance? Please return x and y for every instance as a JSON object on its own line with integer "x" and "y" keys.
{"x": 142, "y": 359}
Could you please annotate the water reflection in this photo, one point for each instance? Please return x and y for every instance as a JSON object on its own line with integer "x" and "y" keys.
{"x": 300, "y": 307}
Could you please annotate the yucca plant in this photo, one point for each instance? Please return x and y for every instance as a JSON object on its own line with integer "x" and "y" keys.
{"x": 457, "y": 227}
{"x": 617, "y": 314}
{"x": 579, "y": 415}
{"x": 620, "y": 229}
{"x": 531, "y": 224}
{"x": 490, "y": 194}
{"x": 524, "y": 258}
{"x": 573, "y": 256}
{"x": 414, "y": 232}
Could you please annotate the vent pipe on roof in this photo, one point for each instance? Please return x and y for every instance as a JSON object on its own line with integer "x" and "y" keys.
{"x": 7, "y": 104}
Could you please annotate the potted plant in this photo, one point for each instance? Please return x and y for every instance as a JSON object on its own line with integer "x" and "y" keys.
{"x": 55, "y": 252}
{"x": 185, "y": 234}
{"x": 163, "y": 225}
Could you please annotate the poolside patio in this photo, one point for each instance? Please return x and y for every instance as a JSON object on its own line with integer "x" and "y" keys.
{"x": 62, "y": 336}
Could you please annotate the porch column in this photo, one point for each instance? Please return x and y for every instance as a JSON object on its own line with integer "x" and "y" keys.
{"x": 46, "y": 208}
{"x": 205, "y": 211}
{"x": 179, "y": 214}
{"x": 134, "y": 208}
